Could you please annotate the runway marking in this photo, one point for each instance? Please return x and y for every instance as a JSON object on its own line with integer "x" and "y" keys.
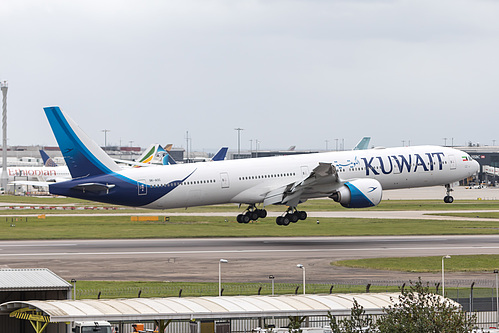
{"x": 241, "y": 251}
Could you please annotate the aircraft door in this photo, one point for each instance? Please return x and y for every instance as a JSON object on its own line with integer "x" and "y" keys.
{"x": 141, "y": 187}
{"x": 224, "y": 179}
{"x": 452, "y": 161}
{"x": 304, "y": 171}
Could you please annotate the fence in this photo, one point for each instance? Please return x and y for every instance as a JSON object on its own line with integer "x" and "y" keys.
{"x": 478, "y": 298}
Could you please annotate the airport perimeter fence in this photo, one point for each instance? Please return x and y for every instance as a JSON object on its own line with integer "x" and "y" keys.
{"x": 477, "y": 295}
{"x": 477, "y": 298}
{"x": 231, "y": 289}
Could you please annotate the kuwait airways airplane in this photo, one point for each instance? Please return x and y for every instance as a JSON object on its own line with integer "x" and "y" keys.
{"x": 355, "y": 179}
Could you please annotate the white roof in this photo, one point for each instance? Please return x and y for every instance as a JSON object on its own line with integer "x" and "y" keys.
{"x": 28, "y": 279}
{"x": 187, "y": 308}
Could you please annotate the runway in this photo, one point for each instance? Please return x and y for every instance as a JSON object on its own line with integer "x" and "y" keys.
{"x": 250, "y": 259}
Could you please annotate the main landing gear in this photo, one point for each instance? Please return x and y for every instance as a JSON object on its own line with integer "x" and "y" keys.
{"x": 448, "y": 198}
{"x": 252, "y": 214}
{"x": 292, "y": 215}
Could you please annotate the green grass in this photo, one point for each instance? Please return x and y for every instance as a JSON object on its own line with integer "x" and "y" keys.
{"x": 483, "y": 215}
{"x": 121, "y": 227}
{"x": 130, "y": 289}
{"x": 311, "y": 205}
{"x": 462, "y": 263}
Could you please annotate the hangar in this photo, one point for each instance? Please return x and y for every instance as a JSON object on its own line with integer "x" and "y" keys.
{"x": 29, "y": 284}
{"x": 191, "y": 310}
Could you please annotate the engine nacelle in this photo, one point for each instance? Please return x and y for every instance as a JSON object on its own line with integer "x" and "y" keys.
{"x": 359, "y": 193}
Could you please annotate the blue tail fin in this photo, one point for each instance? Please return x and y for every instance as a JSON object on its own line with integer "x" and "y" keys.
{"x": 47, "y": 160}
{"x": 220, "y": 155}
{"x": 82, "y": 155}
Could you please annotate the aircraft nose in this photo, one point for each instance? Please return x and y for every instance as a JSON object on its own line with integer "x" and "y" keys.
{"x": 476, "y": 166}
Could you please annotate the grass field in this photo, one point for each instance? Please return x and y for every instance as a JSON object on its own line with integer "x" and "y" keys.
{"x": 116, "y": 227}
{"x": 464, "y": 263}
{"x": 132, "y": 289}
{"x": 311, "y": 205}
{"x": 113, "y": 227}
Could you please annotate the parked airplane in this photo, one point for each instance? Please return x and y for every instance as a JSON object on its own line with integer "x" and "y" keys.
{"x": 22, "y": 175}
{"x": 355, "y": 179}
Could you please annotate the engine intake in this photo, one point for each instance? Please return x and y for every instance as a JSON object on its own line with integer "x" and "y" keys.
{"x": 359, "y": 193}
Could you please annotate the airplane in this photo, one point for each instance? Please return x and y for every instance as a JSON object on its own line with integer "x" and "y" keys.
{"x": 355, "y": 179}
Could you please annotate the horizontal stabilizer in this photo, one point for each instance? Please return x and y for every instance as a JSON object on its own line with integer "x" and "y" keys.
{"x": 94, "y": 187}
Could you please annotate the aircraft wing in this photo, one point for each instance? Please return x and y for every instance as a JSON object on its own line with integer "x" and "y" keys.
{"x": 323, "y": 179}
{"x": 30, "y": 182}
{"x": 133, "y": 163}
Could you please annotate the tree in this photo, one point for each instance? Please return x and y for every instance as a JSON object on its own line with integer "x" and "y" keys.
{"x": 357, "y": 322}
{"x": 419, "y": 311}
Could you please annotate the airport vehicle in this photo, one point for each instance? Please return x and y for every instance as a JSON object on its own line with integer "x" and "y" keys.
{"x": 355, "y": 179}
{"x": 92, "y": 327}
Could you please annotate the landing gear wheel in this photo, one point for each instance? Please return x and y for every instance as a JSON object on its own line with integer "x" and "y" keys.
{"x": 239, "y": 218}
{"x": 302, "y": 215}
{"x": 285, "y": 220}
{"x": 293, "y": 217}
{"x": 282, "y": 220}
{"x": 253, "y": 215}
{"x": 245, "y": 218}
{"x": 448, "y": 199}
{"x": 262, "y": 213}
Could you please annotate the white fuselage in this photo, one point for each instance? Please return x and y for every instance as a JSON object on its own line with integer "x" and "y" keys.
{"x": 41, "y": 174}
{"x": 250, "y": 180}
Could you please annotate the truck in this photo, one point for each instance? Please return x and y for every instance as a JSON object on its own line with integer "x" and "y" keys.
{"x": 92, "y": 327}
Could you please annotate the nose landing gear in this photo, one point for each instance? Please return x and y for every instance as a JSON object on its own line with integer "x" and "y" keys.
{"x": 448, "y": 198}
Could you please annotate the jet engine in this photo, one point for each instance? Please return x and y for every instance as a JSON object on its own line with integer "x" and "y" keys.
{"x": 359, "y": 193}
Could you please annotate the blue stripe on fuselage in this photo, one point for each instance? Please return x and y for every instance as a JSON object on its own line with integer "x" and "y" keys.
{"x": 125, "y": 191}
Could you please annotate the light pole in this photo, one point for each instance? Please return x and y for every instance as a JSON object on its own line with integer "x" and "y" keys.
{"x": 496, "y": 272}
{"x": 239, "y": 129}
{"x": 443, "y": 277}
{"x": 271, "y": 277}
{"x": 222, "y": 261}
{"x": 303, "y": 269}
{"x": 73, "y": 281}
{"x": 105, "y": 137}
{"x": 5, "y": 177}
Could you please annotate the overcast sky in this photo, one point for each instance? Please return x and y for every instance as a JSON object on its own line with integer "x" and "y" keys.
{"x": 293, "y": 72}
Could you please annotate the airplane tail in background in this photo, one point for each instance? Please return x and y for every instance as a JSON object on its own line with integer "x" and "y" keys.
{"x": 148, "y": 154}
{"x": 82, "y": 155}
{"x": 47, "y": 160}
{"x": 363, "y": 143}
{"x": 220, "y": 155}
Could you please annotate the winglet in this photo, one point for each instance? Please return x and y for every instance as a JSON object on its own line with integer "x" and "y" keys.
{"x": 82, "y": 155}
